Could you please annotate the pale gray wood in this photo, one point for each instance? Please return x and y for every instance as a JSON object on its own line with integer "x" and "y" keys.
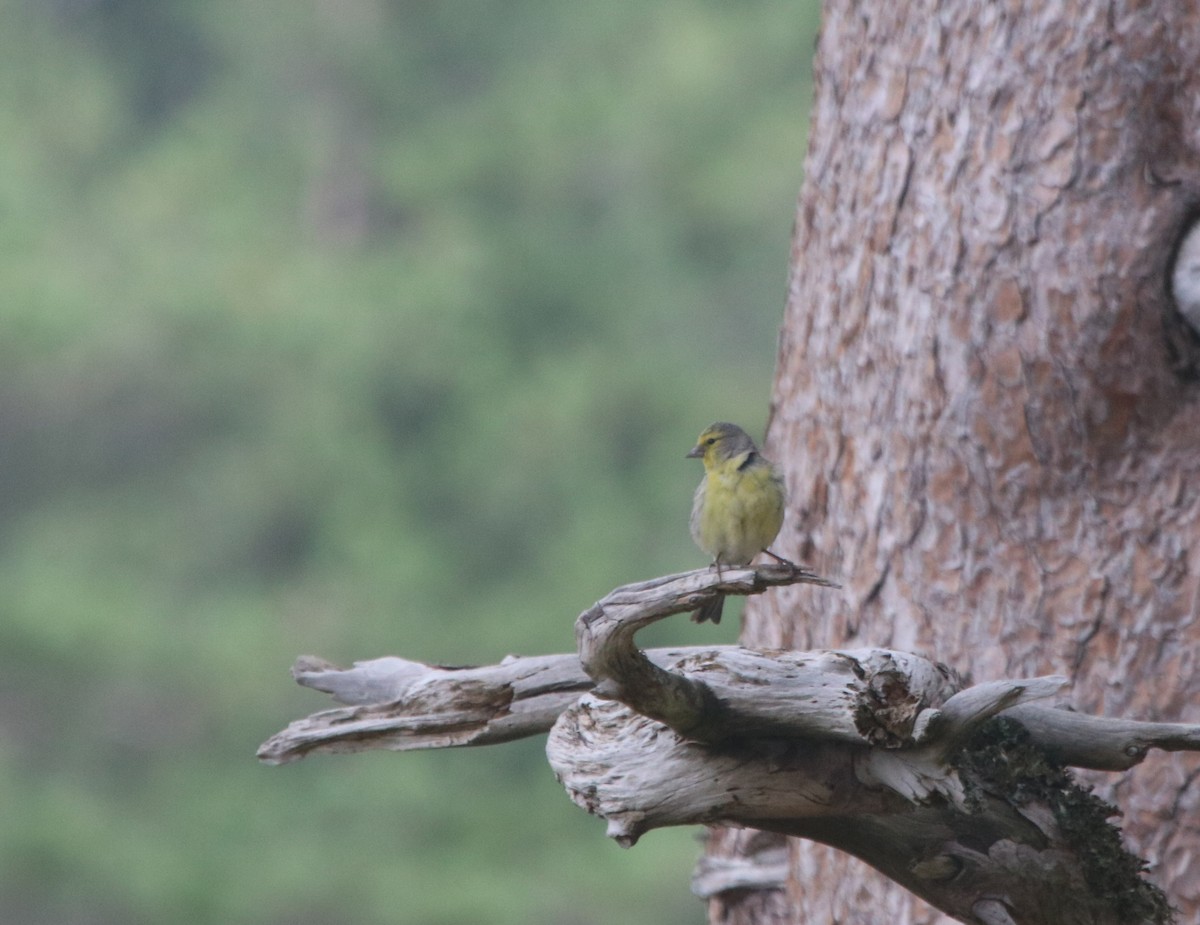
{"x": 398, "y": 704}
{"x": 763, "y": 865}
{"x": 860, "y": 749}
{"x": 608, "y": 654}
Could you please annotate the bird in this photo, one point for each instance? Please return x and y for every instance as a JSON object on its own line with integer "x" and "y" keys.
{"x": 738, "y": 507}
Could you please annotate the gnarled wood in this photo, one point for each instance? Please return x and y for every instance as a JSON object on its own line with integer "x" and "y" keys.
{"x": 402, "y": 705}
{"x": 883, "y": 754}
{"x": 608, "y": 654}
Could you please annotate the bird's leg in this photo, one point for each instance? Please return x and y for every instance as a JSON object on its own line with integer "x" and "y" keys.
{"x": 717, "y": 563}
{"x": 780, "y": 559}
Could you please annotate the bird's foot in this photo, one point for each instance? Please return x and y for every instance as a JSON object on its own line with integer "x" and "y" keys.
{"x": 781, "y": 560}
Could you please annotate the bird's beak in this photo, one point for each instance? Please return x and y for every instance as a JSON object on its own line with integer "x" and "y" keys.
{"x": 695, "y": 452}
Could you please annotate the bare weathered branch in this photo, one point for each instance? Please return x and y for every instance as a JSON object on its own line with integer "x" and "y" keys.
{"x": 964, "y": 713}
{"x": 1102, "y": 743}
{"x": 880, "y": 753}
{"x": 621, "y": 671}
{"x": 397, "y": 704}
{"x": 402, "y": 705}
{"x": 763, "y": 864}
{"x": 958, "y": 842}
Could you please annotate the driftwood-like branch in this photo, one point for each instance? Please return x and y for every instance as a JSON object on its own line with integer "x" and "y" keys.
{"x": 949, "y": 790}
{"x": 397, "y": 704}
{"x": 393, "y": 703}
{"x": 622, "y": 672}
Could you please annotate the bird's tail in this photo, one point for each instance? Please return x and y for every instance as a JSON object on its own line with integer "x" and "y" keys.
{"x": 710, "y": 611}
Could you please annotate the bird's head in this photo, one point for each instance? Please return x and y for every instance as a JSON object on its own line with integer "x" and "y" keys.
{"x": 720, "y": 442}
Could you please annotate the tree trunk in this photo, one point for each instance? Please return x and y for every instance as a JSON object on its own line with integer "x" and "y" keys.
{"x": 984, "y": 401}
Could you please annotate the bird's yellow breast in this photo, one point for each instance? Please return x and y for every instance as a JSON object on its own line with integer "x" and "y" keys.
{"x": 738, "y": 509}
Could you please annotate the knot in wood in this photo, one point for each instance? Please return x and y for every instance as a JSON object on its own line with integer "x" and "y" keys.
{"x": 887, "y": 709}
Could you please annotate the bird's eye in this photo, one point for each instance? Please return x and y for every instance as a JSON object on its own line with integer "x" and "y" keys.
{"x": 710, "y": 441}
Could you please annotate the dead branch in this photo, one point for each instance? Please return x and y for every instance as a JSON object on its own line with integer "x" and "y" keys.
{"x": 884, "y": 754}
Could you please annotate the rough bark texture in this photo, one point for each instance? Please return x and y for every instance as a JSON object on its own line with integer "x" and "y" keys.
{"x": 984, "y": 406}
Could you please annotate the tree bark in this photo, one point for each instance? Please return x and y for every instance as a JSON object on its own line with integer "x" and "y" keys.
{"x": 985, "y": 404}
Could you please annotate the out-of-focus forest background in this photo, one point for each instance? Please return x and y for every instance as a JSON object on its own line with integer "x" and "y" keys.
{"x": 353, "y": 328}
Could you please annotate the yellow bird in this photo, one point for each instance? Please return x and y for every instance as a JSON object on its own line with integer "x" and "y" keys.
{"x": 738, "y": 508}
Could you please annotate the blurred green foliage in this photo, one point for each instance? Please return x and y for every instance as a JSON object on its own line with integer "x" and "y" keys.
{"x": 353, "y": 327}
